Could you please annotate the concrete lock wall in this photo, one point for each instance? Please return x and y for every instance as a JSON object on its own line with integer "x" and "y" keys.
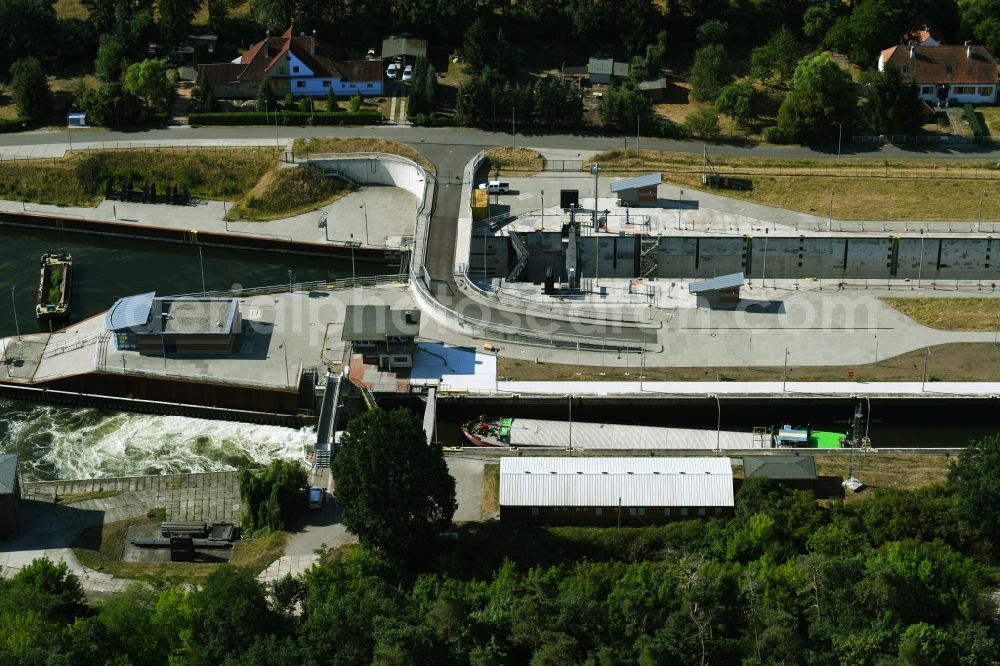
{"x": 380, "y": 170}
{"x": 615, "y": 256}
{"x": 824, "y": 257}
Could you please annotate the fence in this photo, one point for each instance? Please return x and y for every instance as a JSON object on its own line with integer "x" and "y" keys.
{"x": 333, "y": 285}
{"x": 923, "y": 139}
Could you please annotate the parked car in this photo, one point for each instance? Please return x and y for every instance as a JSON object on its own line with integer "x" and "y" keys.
{"x": 495, "y": 187}
{"x": 392, "y": 71}
{"x": 316, "y": 497}
{"x": 408, "y": 73}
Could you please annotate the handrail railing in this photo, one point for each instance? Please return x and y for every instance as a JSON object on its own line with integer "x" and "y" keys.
{"x": 330, "y": 285}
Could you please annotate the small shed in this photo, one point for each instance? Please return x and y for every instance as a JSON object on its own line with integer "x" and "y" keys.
{"x": 791, "y": 471}
{"x": 76, "y": 119}
{"x": 722, "y": 291}
{"x": 637, "y": 191}
{"x": 10, "y": 494}
{"x": 378, "y": 330}
{"x": 404, "y": 46}
{"x": 600, "y": 69}
{"x": 655, "y": 89}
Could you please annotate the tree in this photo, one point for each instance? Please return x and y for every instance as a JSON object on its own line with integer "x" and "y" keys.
{"x": 30, "y": 89}
{"x": 112, "y": 59}
{"x": 275, "y": 15}
{"x": 981, "y": 20}
{"x": 621, "y": 106}
{"x": 484, "y": 48}
{"x": 710, "y": 72}
{"x": 273, "y": 496}
{"x": 891, "y": 105}
{"x": 218, "y": 12}
{"x": 265, "y": 97}
{"x": 975, "y": 476}
{"x": 203, "y": 93}
{"x": 656, "y": 53}
{"x": 777, "y": 57}
{"x": 712, "y": 32}
{"x": 820, "y": 96}
{"x": 703, "y": 123}
{"x": 394, "y": 486}
{"x": 26, "y": 29}
{"x": 354, "y": 104}
{"x": 818, "y": 18}
{"x": 331, "y": 101}
{"x": 232, "y": 613}
{"x": 737, "y": 101}
{"x": 175, "y": 19}
{"x": 147, "y": 80}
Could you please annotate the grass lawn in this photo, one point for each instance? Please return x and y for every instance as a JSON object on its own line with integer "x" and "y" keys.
{"x": 950, "y": 314}
{"x": 991, "y": 114}
{"x": 71, "y": 9}
{"x": 887, "y": 470}
{"x": 956, "y": 362}
{"x": 514, "y": 161}
{"x": 285, "y": 192}
{"x": 360, "y": 145}
{"x": 863, "y": 189}
{"x": 78, "y": 178}
{"x": 491, "y": 488}
{"x": 100, "y": 548}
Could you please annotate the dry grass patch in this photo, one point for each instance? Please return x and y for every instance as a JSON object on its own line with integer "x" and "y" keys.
{"x": 515, "y": 161}
{"x": 956, "y": 362}
{"x": 362, "y": 145}
{"x": 887, "y": 470}
{"x": 78, "y": 179}
{"x": 862, "y": 189}
{"x": 285, "y": 192}
{"x": 491, "y": 489}
{"x": 950, "y": 314}
{"x": 71, "y": 9}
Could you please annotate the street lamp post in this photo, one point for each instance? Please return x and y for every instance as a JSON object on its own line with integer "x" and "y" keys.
{"x": 829, "y": 222}
{"x": 927, "y": 357}
{"x": 996, "y": 330}
{"x": 981, "y": 197}
{"x": 290, "y": 277}
{"x": 680, "y": 204}
{"x": 569, "y": 400}
{"x": 763, "y": 268}
{"x": 718, "y": 421}
{"x": 283, "y": 348}
{"x": 920, "y": 266}
{"x": 201, "y": 265}
{"x": 840, "y": 133}
{"x": 594, "y": 169}
{"x": 13, "y": 307}
{"x": 784, "y": 373}
{"x": 543, "y": 210}
{"x": 364, "y": 205}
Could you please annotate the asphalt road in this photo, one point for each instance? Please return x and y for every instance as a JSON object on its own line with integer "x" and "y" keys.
{"x": 451, "y": 136}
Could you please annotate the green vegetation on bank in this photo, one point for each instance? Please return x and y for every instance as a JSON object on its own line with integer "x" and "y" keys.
{"x": 361, "y": 145}
{"x": 79, "y": 178}
{"x": 904, "y": 577}
{"x": 284, "y": 192}
{"x": 291, "y": 118}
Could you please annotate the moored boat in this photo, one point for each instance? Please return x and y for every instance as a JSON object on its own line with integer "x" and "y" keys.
{"x": 54, "y": 286}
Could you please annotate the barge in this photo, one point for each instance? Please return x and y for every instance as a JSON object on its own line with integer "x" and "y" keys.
{"x": 54, "y": 286}
{"x": 514, "y": 432}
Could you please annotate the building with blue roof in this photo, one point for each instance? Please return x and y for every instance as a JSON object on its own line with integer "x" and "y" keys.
{"x": 174, "y": 325}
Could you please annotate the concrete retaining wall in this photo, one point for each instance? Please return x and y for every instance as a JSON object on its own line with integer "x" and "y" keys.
{"x": 378, "y": 170}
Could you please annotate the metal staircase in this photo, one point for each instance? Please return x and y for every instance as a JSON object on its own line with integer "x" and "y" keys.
{"x": 340, "y": 173}
{"x": 648, "y": 260}
{"x": 327, "y": 425}
{"x": 521, "y": 250}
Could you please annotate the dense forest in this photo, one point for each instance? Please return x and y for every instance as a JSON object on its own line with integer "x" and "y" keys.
{"x": 902, "y": 577}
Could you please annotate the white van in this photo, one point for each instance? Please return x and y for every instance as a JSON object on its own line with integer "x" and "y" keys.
{"x": 392, "y": 71}
{"x": 495, "y": 187}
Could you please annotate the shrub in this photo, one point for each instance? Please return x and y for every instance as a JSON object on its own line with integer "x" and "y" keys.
{"x": 773, "y": 134}
{"x": 13, "y": 124}
{"x": 970, "y": 116}
{"x": 296, "y": 118}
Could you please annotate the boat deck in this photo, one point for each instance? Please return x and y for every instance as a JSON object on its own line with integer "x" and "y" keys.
{"x": 611, "y": 436}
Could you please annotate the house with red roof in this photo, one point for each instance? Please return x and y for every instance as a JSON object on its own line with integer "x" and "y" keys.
{"x": 299, "y": 64}
{"x": 966, "y": 74}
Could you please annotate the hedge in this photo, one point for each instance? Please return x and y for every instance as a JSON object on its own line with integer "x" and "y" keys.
{"x": 287, "y": 118}
{"x": 13, "y": 124}
{"x": 969, "y": 113}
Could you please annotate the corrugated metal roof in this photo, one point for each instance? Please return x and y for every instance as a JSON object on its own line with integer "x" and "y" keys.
{"x": 8, "y": 473}
{"x": 614, "y": 436}
{"x": 130, "y": 312}
{"x": 600, "y": 66}
{"x": 780, "y": 467}
{"x": 657, "y": 83}
{"x": 550, "y": 481}
{"x": 639, "y": 181}
{"x": 721, "y": 282}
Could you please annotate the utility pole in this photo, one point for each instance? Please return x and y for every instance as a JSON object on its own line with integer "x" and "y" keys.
{"x": 364, "y": 204}
{"x": 680, "y": 204}
{"x": 840, "y": 133}
{"x": 594, "y": 169}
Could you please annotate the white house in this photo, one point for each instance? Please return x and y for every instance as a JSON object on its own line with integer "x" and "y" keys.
{"x": 966, "y": 74}
{"x": 301, "y": 65}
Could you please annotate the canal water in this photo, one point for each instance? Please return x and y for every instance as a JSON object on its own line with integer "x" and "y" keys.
{"x": 60, "y": 442}
{"x": 106, "y": 268}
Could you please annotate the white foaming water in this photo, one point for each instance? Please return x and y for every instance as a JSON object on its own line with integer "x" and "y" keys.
{"x": 64, "y": 443}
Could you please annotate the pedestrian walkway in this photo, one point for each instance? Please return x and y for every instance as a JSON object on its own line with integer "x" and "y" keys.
{"x": 287, "y": 565}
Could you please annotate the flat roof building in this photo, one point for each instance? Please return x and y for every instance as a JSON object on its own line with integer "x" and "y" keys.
{"x": 614, "y": 490}
{"x": 722, "y": 291}
{"x": 378, "y": 330}
{"x": 637, "y": 191}
{"x": 791, "y": 471}
{"x": 167, "y": 325}
{"x": 10, "y": 494}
